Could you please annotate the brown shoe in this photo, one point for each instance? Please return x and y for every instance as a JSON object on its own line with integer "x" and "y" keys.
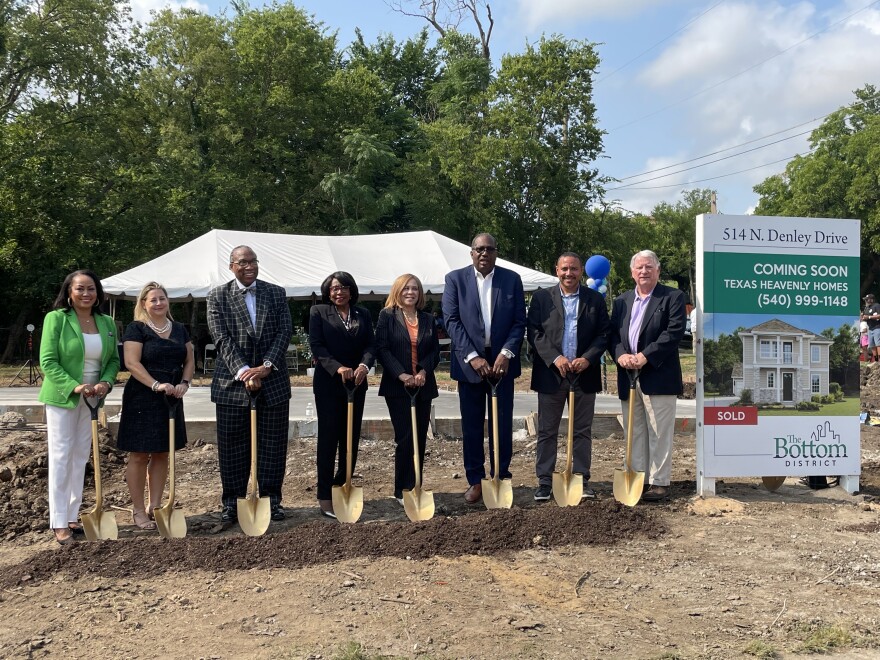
{"x": 656, "y": 494}
{"x": 473, "y": 494}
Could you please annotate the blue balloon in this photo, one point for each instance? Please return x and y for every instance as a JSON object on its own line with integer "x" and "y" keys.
{"x": 598, "y": 266}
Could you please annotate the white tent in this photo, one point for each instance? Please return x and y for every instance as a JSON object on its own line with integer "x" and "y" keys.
{"x": 300, "y": 263}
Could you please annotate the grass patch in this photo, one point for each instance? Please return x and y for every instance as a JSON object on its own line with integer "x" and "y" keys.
{"x": 823, "y": 638}
{"x": 354, "y": 651}
{"x": 847, "y": 407}
{"x": 760, "y": 649}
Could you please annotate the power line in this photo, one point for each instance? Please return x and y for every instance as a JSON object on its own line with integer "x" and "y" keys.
{"x": 746, "y": 70}
{"x": 717, "y": 160}
{"x": 713, "y": 178}
{"x": 665, "y": 39}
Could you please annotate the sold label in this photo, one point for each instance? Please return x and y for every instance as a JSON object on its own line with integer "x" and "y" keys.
{"x": 733, "y": 415}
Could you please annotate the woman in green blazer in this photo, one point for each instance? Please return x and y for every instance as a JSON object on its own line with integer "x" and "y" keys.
{"x": 79, "y": 359}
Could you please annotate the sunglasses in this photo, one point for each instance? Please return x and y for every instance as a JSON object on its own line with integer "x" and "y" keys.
{"x": 484, "y": 249}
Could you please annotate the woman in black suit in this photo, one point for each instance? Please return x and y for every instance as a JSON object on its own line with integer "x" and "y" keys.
{"x": 406, "y": 339}
{"x": 342, "y": 341}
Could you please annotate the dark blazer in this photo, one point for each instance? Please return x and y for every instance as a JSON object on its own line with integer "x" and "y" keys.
{"x": 464, "y": 321}
{"x": 395, "y": 352}
{"x": 546, "y": 320}
{"x": 239, "y": 343}
{"x": 333, "y": 346}
{"x": 662, "y": 329}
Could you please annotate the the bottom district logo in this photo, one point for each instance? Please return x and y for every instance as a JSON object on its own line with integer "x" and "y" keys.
{"x": 821, "y": 450}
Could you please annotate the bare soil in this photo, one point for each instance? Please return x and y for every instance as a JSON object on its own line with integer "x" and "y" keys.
{"x": 749, "y": 573}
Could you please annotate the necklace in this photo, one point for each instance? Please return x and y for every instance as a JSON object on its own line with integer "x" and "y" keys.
{"x": 346, "y": 320}
{"x": 86, "y": 321}
{"x": 412, "y": 321}
{"x": 159, "y": 331}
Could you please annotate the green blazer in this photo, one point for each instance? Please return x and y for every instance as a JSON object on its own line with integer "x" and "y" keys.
{"x": 62, "y": 356}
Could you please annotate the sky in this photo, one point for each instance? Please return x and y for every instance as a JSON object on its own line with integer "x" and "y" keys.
{"x": 681, "y": 82}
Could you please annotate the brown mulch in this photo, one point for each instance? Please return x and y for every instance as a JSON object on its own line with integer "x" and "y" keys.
{"x": 486, "y": 532}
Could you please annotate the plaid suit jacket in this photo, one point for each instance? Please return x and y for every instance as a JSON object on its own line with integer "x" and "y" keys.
{"x": 239, "y": 343}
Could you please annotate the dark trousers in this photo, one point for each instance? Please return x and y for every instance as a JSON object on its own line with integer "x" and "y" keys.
{"x": 473, "y": 401}
{"x": 401, "y": 419}
{"x": 234, "y": 450}
{"x": 550, "y": 407}
{"x": 332, "y": 432}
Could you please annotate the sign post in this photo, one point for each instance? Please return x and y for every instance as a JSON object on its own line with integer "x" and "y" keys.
{"x": 777, "y": 357}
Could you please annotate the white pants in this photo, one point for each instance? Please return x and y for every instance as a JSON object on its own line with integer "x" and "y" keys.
{"x": 653, "y": 430}
{"x": 70, "y": 442}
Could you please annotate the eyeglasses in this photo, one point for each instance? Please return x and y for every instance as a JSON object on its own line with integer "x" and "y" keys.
{"x": 483, "y": 249}
{"x": 244, "y": 264}
{"x": 339, "y": 289}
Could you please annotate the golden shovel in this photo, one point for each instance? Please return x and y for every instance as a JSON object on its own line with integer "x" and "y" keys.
{"x": 497, "y": 493}
{"x": 170, "y": 522}
{"x": 99, "y": 525}
{"x": 254, "y": 512}
{"x": 418, "y": 503}
{"x": 628, "y": 484}
{"x": 348, "y": 500}
{"x": 568, "y": 487}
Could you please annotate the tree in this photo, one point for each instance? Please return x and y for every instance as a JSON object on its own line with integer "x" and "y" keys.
{"x": 448, "y": 15}
{"x": 838, "y": 179}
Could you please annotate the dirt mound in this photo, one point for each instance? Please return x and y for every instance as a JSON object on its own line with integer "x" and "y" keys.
{"x": 487, "y": 532}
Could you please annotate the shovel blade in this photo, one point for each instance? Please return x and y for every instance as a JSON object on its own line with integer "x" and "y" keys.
{"x": 348, "y": 503}
{"x": 170, "y": 522}
{"x": 497, "y": 493}
{"x": 100, "y": 525}
{"x": 628, "y": 486}
{"x": 418, "y": 504}
{"x": 772, "y": 483}
{"x": 254, "y": 514}
{"x": 568, "y": 488}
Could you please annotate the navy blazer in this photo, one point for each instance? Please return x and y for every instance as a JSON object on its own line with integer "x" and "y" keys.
{"x": 395, "y": 352}
{"x": 464, "y": 320}
{"x": 546, "y": 319}
{"x": 239, "y": 343}
{"x": 333, "y": 346}
{"x": 662, "y": 329}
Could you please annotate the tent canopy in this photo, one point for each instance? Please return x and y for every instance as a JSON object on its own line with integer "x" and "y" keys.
{"x": 300, "y": 263}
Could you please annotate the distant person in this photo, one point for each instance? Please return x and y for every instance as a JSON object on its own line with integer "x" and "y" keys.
{"x": 647, "y": 325}
{"x": 409, "y": 352}
{"x": 871, "y": 315}
{"x": 79, "y": 358}
{"x": 250, "y": 326}
{"x": 344, "y": 347}
{"x": 485, "y": 313}
{"x": 863, "y": 339}
{"x": 568, "y": 333}
{"x": 159, "y": 356}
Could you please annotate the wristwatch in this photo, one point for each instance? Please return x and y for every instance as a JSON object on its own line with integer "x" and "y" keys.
{"x": 268, "y": 365}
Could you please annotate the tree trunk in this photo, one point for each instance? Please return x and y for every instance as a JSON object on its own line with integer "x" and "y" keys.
{"x": 16, "y": 333}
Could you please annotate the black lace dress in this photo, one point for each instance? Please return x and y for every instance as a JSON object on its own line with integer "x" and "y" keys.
{"x": 144, "y": 423}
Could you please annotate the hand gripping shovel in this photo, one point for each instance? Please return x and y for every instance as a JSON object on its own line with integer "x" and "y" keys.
{"x": 254, "y": 512}
{"x": 348, "y": 500}
{"x": 418, "y": 503}
{"x": 170, "y": 522}
{"x": 568, "y": 487}
{"x": 628, "y": 483}
{"x": 497, "y": 493}
{"x": 99, "y": 525}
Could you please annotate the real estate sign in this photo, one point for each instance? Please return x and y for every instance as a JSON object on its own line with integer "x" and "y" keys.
{"x": 777, "y": 352}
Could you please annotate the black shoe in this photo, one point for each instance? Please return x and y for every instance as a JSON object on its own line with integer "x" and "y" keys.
{"x": 543, "y": 493}
{"x": 229, "y": 515}
{"x": 277, "y": 512}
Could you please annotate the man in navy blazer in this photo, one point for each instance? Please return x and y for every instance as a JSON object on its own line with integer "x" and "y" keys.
{"x": 250, "y": 324}
{"x": 647, "y": 325}
{"x": 485, "y": 314}
{"x": 568, "y": 332}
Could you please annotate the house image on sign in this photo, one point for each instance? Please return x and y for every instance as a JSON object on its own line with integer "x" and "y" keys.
{"x": 782, "y": 363}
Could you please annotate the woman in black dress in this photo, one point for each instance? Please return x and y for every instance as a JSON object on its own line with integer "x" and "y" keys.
{"x": 159, "y": 354}
{"x": 342, "y": 341}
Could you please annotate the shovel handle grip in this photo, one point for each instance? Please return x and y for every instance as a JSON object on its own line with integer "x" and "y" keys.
{"x": 93, "y": 408}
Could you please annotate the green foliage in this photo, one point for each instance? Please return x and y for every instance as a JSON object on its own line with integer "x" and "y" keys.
{"x": 823, "y": 638}
{"x": 809, "y": 405}
{"x": 745, "y": 397}
{"x": 760, "y": 649}
{"x": 838, "y": 179}
{"x": 720, "y": 356}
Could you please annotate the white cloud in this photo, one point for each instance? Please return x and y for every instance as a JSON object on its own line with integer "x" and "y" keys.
{"x": 141, "y": 10}
{"x": 811, "y": 80}
{"x": 537, "y": 14}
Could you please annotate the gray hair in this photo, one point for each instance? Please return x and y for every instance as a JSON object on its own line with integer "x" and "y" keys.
{"x": 644, "y": 254}
{"x": 240, "y": 247}
{"x": 484, "y": 235}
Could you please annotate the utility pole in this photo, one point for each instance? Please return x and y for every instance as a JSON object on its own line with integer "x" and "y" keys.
{"x": 714, "y": 206}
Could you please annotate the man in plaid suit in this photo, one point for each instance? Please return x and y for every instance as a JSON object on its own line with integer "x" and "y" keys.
{"x": 249, "y": 321}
